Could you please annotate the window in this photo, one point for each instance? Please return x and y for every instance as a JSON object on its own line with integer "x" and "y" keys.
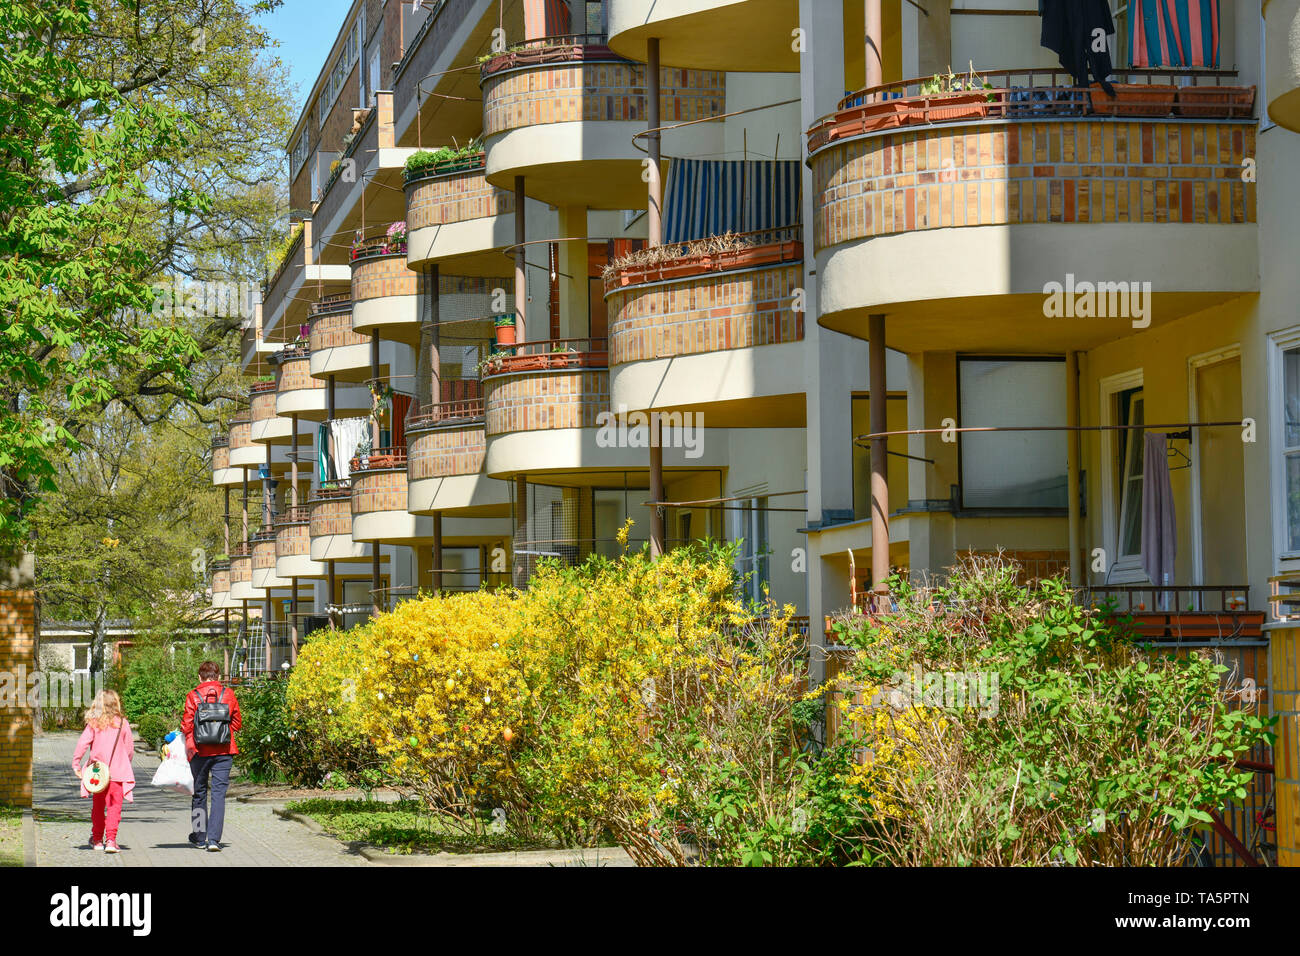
{"x": 299, "y": 155}
{"x": 1012, "y": 469}
{"x": 337, "y": 77}
{"x": 1291, "y": 444}
{"x": 81, "y": 657}
{"x": 749, "y": 526}
{"x": 1130, "y": 411}
{"x": 595, "y": 24}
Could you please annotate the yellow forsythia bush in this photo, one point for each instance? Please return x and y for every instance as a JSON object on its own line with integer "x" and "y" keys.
{"x": 440, "y": 701}
{"x": 322, "y": 702}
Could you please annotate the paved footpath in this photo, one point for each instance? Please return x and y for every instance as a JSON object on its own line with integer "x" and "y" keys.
{"x": 155, "y": 826}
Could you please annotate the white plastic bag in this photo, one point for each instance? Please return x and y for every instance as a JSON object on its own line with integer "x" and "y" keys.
{"x": 174, "y": 771}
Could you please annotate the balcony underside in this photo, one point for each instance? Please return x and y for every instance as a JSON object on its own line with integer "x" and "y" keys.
{"x": 279, "y": 431}
{"x": 583, "y": 454}
{"x": 472, "y": 248}
{"x": 299, "y": 566}
{"x": 222, "y": 601}
{"x": 989, "y": 287}
{"x": 350, "y": 366}
{"x": 729, "y": 35}
{"x": 759, "y": 387}
{"x": 227, "y": 476}
{"x": 467, "y": 495}
{"x": 395, "y": 317}
{"x": 337, "y": 547}
{"x": 310, "y": 284}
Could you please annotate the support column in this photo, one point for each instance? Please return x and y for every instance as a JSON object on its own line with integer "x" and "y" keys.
{"x": 521, "y": 261}
{"x": 329, "y": 435}
{"x": 656, "y": 487}
{"x": 374, "y": 378}
{"x": 225, "y": 523}
{"x": 654, "y": 147}
{"x": 875, "y": 37}
{"x": 437, "y": 552}
{"x": 245, "y": 508}
{"x": 293, "y": 620}
{"x": 293, "y": 463}
{"x": 575, "y": 290}
{"x": 1072, "y": 465}
{"x": 268, "y": 615}
{"x": 330, "y": 600}
{"x": 879, "y": 464}
{"x": 376, "y": 599}
{"x": 433, "y": 340}
{"x": 521, "y": 531}
{"x": 266, "y": 492}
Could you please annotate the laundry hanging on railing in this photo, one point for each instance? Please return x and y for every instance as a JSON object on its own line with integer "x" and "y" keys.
{"x": 1174, "y": 33}
{"x": 1070, "y": 30}
{"x": 545, "y": 18}
{"x": 1159, "y": 525}
{"x": 711, "y": 197}
{"x": 336, "y": 445}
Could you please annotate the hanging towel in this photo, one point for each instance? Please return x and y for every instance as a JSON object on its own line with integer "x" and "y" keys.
{"x": 346, "y": 435}
{"x": 1068, "y": 28}
{"x": 1159, "y": 529}
{"x": 324, "y": 467}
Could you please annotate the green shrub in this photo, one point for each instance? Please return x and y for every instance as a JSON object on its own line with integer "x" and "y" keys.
{"x": 269, "y": 747}
{"x": 154, "y": 680}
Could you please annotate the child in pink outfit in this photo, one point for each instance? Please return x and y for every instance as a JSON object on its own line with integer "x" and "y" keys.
{"x": 105, "y": 726}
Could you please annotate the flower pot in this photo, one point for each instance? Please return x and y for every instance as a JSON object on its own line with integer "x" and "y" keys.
{"x": 1134, "y": 99}
{"x": 1215, "y": 101}
{"x": 505, "y": 329}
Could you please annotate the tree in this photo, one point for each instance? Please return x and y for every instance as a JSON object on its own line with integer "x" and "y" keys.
{"x": 139, "y": 144}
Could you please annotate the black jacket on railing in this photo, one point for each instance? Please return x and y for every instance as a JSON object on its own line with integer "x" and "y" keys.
{"x": 1070, "y": 31}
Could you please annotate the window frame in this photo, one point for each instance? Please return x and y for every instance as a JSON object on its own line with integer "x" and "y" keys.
{"x": 1280, "y": 342}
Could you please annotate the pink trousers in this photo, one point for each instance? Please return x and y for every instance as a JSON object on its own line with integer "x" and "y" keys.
{"x": 106, "y": 813}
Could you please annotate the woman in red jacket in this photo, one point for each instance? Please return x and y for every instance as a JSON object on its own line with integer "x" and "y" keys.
{"x": 209, "y": 762}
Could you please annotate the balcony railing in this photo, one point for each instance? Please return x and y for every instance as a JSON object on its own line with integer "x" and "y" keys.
{"x": 297, "y": 514}
{"x": 335, "y": 302}
{"x": 551, "y": 354}
{"x": 446, "y": 413}
{"x": 380, "y": 458}
{"x": 558, "y": 49}
{"x": 1189, "y": 614}
{"x": 704, "y": 256}
{"x": 1028, "y": 94}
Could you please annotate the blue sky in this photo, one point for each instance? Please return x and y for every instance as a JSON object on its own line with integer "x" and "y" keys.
{"x": 305, "y": 30}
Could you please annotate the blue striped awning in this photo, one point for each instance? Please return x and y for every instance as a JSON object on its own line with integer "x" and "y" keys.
{"x": 711, "y": 197}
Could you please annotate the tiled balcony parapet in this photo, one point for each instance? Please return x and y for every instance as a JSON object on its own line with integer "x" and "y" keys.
{"x": 240, "y": 435}
{"x": 261, "y": 401}
{"x": 330, "y": 513}
{"x": 546, "y": 399}
{"x": 294, "y": 372}
{"x": 1058, "y": 171}
{"x": 586, "y": 82}
{"x": 439, "y": 199}
{"x": 381, "y": 276}
{"x": 689, "y": 307}
{"x": 264, "y": 550}
{"x": 333, "y": 329}
{"x": 293, "y": 532}
{"x": 220, "y": 577}
{"x": 220, "y": 454}
{"x": 379, "y": 490}
{"x": 443, "y": 451}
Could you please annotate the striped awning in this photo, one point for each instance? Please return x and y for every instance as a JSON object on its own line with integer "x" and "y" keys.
{"x": 545, "y": 18}
{"x": 1174, "y": 33}
{"x": 711, "y": 197}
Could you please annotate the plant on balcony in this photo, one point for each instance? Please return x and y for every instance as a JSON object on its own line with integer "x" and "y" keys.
{"x": 393, "y": 242}
{"x": 504, "y": 327}
{"x": 965, "y": 96}
{"x": 678, "y": 259}
{"x": 447, "y": 159}
{"x": 279, "y": 251}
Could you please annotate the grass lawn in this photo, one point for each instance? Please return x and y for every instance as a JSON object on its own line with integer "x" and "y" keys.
{"x": 406, "y": 827}
{"x": 11, "y": 836}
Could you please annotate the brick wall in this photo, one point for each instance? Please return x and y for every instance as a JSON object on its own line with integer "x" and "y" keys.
{"x": 532, "y": 401}
{"x": 296, "y": 373}
{"x": 460, "y": 197}
{"x": 18, "y": 640}
{"x": 334, "y": 331}
{"x": 220, "y": 457}
{"x": 593, "y": 92}
{"x": 379, "y": 276}
{"x": 292, "y": 540}
{"x": 1066, "y": 171}
{"x": 378, "y": 491}
{"x": 447, "y": 451}
{"x": 705, "y": 313}
{"x": 262, "y": 406}
{"x": 220, "y": 579}
{"x": 330, "y": 516}
{"x": 241, "y": 570}
{"x": 240, "y": 436}
{"x": 264, "y": 555}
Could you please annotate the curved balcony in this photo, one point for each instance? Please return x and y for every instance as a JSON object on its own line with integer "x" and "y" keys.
{"x": 379, "y": 501}
{"x": 385, "y": 293}
{"x": 563, "y": 112}
{"x": 454, "y": 215}
{"x": 296, "y": 391}
{"x": 446, "y": 447}
{"x": 268, "y": 425}
{"x": 243, "y": 452}
{"x": 241, "y": 574}
{"x": 330, "y": 525}
{"x": 221, "y": 599}
{"x": 1282, "y": 56}
{"x": 293, "y": 545}
{"x": 222, "y": 473}
{"x": 264, "y": 573}
{"x": 744, "y": 36}
{"x": 338, "y": 351}
{"x": 931, "y": 208}
{"x": 705, "y": 330}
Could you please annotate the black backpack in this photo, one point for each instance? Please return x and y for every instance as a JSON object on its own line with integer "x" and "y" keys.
{"x": 212, "y": 721}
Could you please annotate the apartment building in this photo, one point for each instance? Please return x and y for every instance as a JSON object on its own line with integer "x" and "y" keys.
{"x": 1073, "y": 314}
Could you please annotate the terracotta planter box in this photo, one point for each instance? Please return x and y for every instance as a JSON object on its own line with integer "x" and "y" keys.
{"x": 1215, "y": 101}
{"x": 1134, "y": 99}
{"x": 958, "y": 106}
{"x": 886, "y": 114}
{"x": 505, "y": 334}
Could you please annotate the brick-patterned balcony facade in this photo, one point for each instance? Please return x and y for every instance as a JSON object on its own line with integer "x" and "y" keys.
{"x": 926, "y": 207}
{"x": 293, "y": 532}
{"x": 243, "y": 452}
{"x": 330, "y": 525}
{"x": 545, "y": 389}
{"x": 456, "y": 212}
{"x": 446, "y": 451}
{"x": 379, "y": 502}
{"x": 562, "y": 112}
{"x": 385, "y": 296}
